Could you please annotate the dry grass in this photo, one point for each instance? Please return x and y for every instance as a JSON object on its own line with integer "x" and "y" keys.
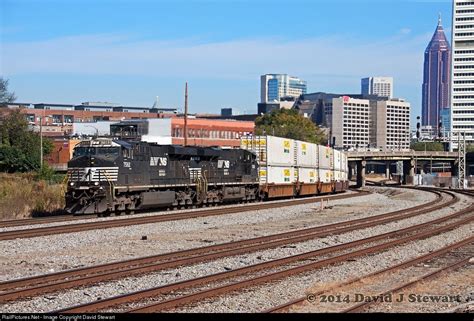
{"x": 22, "y": 196}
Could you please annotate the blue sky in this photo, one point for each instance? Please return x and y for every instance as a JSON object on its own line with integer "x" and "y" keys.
{"x": 131, "y": 51}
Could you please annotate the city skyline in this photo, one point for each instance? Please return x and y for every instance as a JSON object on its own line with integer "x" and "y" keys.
{"x": 51, "y": 58}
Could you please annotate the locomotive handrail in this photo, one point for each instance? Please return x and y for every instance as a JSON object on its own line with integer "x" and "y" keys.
{"x": 111, "y": 184}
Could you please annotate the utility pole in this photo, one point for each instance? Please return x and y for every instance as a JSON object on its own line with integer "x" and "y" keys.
{"x": 41, "y": 142}
{"x": 186, "y": 115}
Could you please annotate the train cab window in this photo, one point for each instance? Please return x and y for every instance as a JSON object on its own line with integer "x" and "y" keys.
{"x": 108, "y": 152}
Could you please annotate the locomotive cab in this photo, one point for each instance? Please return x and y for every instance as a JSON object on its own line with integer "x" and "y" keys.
{"x": 92, "y": 172}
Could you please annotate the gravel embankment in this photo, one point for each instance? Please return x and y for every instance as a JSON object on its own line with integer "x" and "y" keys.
{"x": 92, "y": 218}
{"x": 26, "y": 257}
{"x": 265, "y": 297}
{"x": 256, "y": 301}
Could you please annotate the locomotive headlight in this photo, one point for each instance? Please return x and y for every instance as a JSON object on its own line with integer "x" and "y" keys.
{"x": 96, "y": 183}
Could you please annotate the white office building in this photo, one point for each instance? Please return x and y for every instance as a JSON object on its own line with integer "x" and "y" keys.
{"x": 462, "y": 87}
{"x": 275, "y": 86}
{"x": 380, "y": 86}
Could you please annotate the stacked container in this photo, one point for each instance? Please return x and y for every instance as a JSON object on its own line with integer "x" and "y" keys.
{"x": 286, "y": 161}
{"x": 345, "y": 167}
{"x": 326, "y": 164}
{"x": 306, "y": 161}
{"x": 275, "y": 156}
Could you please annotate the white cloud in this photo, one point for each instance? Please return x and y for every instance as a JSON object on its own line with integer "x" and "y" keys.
{"x": 332, "y": 58}
{"x": 405, "y": 31}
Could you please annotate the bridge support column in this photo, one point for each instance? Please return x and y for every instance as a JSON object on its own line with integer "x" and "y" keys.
{"x": 351, "y": 170}
{"x": 409, "y": 172}
{"x": 361, "y": 173}
{"x": 387, "y": 170}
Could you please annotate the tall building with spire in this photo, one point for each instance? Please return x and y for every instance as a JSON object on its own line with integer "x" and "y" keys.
{"x": 436, "y": 78}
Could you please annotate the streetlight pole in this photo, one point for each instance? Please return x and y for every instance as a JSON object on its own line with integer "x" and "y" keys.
{"x": 96, "y": 130}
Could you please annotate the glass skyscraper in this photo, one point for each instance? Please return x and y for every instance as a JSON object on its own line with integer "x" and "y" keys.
{"x": 275, "y": 86}
{"x": 436, "y": 78}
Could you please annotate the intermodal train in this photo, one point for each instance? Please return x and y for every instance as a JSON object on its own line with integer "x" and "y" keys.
{"x": 107, "y": 176}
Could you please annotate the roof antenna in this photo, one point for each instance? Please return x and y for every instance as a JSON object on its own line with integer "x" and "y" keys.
{"x": 439, "y": 19}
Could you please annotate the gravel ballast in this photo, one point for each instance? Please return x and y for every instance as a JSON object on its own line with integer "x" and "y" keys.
{"x": 67, "y": 251}
{"x": 302, "y": 216}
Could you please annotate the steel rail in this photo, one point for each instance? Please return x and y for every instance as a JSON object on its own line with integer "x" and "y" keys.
{"x": 104, "y": 272}
{"x": 78, "y": 227}
{"x": 43, "y": 220}
{"x": 363, "y": 305}
{"x": 94, "y": 306}
{"x": 175, "y": 302}
{"x": 420, "y": 259}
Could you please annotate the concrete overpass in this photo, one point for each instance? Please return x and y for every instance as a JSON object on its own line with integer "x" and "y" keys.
{"x": 358, "y": 160}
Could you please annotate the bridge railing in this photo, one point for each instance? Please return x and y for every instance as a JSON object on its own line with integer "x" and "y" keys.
{"x": 397, "y": 153}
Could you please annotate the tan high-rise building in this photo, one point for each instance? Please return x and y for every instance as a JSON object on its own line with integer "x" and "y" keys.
{"x": 360, "y": 121}
{"x": 349, "y": 121}
{"x": 390, "y": 124}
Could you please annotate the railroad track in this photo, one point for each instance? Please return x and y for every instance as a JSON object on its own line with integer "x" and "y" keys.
{"x": 390, "y": 270}
{"x": 42, "y": 220}
{"x": 70, "y": 228}
{"x": 247, "y": 274}
{"x": 455, "y": 264}
{"x": 71, "y": 218}
{"x": 16, "y": 289}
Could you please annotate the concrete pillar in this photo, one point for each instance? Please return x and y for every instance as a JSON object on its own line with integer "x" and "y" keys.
{"x": 387, "y": 170}
{"x": 408, "y": 172}
{"x": 351, "y": 171}
{"x": 361, "y": 173}
{"x": 454, "y": 168}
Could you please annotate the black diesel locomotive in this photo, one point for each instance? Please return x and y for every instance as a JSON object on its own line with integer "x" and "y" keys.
{"x": 112, "y": 176}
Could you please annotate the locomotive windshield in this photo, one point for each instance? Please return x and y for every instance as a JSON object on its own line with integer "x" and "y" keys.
{"x": 108, "y": 152}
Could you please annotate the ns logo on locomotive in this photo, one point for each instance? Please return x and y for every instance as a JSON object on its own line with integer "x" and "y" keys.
{"x": 108, "y": 176}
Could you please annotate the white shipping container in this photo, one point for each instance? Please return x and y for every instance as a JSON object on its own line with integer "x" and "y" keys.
{"x": 306, "y": 154}
{"x": 346, "y": 164}
{"x": 270, "y": 150}
{"x": 343, "y": 162}
{"x": 337, "y": 160}
{"x": 277, "y": 174}
{"x": 307, "y": 175}
{"x": 325, "y": 175}
{"x": 257, "y": 145}
{"x": 339, "y": 176}
{"x": 280, "y": 151}
{"x": 325, "y": 156}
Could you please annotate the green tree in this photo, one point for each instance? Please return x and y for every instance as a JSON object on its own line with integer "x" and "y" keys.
{"x": 289, "y": 123}
{"x": 5, "y": 96}
{"x": 428, "y": 146}
{"x": 19, "y": 146}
